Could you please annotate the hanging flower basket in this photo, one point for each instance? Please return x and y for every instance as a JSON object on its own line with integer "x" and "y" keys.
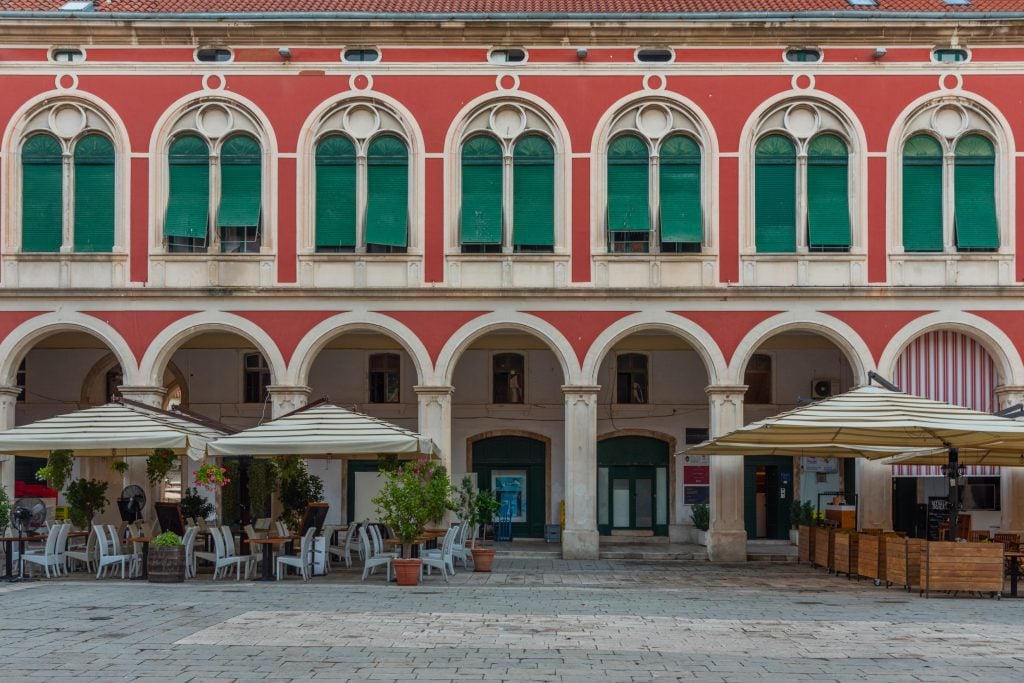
{"x": 211, "y": 477}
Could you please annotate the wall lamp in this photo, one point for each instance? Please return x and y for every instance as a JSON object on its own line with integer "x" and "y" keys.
{"x": 285, "y": 52}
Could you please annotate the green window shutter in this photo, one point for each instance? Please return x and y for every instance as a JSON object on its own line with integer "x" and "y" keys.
{"x": 629, "y": 196}
{"x": 679, "y": 190}
{"x": 922, "y": 194}
{"x": 828, "y": 193}
{"x": 42, "y": 194}
{"x": 240, "y": 183}
{"x": 387, "y": 192}
{"x": 481, "y": 191}
{"x": 188, "y": 201}
{"x": 775, "y": 195}
{"x": 335, "y": 192}
{"x": 94, "y": 194}
{"x": 533, "y": 192}
{"x": 974, "y": 186}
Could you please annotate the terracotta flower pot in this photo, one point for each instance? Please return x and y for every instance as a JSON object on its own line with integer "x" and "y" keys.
{"x": 483, "y": 558}
{"x": 166, "y": 564}
{"x": 407, "y": 571}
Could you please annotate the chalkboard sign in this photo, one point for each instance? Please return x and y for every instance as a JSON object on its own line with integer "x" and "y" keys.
{"x": 315, "y": 515}
{"x": 169, "y": 516}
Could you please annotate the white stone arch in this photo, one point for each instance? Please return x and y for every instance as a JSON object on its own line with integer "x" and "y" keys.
{"x": 1009, "y": 367}
{"x": 701, "y": 128}
{"x": 556, "y": 132}
{"x": 319, "y": 122}
{"x": 310, "y": 346}
{"x": 982, "y": 117}
{"x": 22, "y": 338}
{"x": 169, "y": 340}
{"x": 829, "y": 114}
{"x": 463, "y": 338}
{"x": 246, "y": 117}
{"x": 99, "y": 117}
{"x": 695, "y": 335}
{"x": 846, "y": 339}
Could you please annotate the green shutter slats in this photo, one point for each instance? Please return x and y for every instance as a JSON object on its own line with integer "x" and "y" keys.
{"x": 828, "y": 193}
{"x": 679, "y": 186}
{"x": 533, "y": 192}
{"x": 975, "y": 194}
{"x": 775, "y": 195}
{"x": 335, "y": 193}
{"x": 481, "y": 219}
{"x": 42, "y": 194}
{"x": 240, "y": 183}
{"x": 628, "y": 185}
{"x": 387, "y": 192}
{"x": 922, "y": 194}
{"x": 188, "y": 201}
{"x": 94, "y": 194}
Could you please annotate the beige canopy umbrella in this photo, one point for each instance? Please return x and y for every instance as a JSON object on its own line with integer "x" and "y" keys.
{"x": 878, "y": 424}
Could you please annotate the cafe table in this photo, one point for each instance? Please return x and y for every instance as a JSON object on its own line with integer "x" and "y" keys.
{"x": 1014, "y": 556}
{"x": 267, "y": 567}
{"x": 9, "y": 542}
{"x": 144, "y": 540}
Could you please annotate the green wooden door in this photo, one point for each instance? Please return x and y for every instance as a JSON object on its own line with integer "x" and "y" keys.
{"x": 515, "y": 465}
{"x": 632, "y": 485}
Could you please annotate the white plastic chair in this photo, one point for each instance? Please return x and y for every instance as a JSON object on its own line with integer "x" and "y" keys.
{"x": 83, "y": 554}
{"x": 304, "y": 560}
{"x": 441, "y": 558}
{"x": 225, "y": 561}
{"x": 189, "y": 541}
{"x": 108, "y": 558}
{"x": 344, "y": 550}
{"x": 204, "y": 555}
{"x": 231, "y": 551}
{"x": 378, "y": 543}
{"x": 48, "y": 557}
{"x": 370, "y": 561}
{"x": 460, "y": 549}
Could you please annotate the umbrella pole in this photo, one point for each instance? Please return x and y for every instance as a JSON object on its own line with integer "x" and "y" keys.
{"x": 952, "y": 476}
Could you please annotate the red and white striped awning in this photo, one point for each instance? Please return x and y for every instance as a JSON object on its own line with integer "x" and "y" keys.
{"x": 936, "y": 471}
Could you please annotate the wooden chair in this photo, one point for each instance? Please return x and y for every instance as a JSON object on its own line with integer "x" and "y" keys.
{"x": 1009, "y": 541}
{"x": 977, "y": 536}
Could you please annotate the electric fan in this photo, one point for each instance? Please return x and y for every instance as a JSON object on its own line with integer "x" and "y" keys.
{"x": 131, "y": 503}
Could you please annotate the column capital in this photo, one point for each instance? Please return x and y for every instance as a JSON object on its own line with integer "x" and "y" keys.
{"x": 568, "y": 389}
{"x": 285, "y": 389}
{"x": 9, "y": 392}
{"x": 150, "y": 395}
{"x": 1009, "y": 394}
{"x": 430, "y": 390}
{"x": 725, "y": 390}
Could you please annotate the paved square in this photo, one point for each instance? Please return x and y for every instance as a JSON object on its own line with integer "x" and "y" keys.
{"x": 531, "y": 620}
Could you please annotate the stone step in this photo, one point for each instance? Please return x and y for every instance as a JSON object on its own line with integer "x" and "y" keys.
{"x": 769, "y": 557}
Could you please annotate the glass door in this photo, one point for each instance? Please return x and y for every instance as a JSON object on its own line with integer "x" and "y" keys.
{"x": 632, "y": 498}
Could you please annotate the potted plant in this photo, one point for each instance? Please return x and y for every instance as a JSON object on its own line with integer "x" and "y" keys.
{"x": 795, "y": 520}
{"x": 484, "y": 508}
{"x": 85, "y": 497}
{"x": 5, "y": 507}
{"x": 700, "y": 514}
{"x": 166, "y": 559}
{"x": 194, "y": 506}
{"x": 297, "y": 488}
{"x": 57, "y": 470}
{"x": 159, "y": 464}
{"x": 412, "y": 495}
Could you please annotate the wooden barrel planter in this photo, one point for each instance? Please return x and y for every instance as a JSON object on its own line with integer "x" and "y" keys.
{"x": 166, "y": 564}
{"x": 847, "y": 546}
{"x": 824, "y": 547}
{"x": 805, "y": 548}
{"x": 974, "y": 567}
{"x": 903, "y": 561}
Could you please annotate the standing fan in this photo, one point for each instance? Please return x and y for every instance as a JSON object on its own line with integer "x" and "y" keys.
{"x": 27, "y": 516}
{"x": 131, "y": 503}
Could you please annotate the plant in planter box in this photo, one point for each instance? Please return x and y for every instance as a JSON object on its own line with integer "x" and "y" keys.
{"x": 807, "y": 514}
{"x": 700, "y": 515}
{"x": 86, "y": 497}
{"x": 166, "y": 559}
{"x": 194, "y": 506}
{"x": 413, "y": 494}
{"x": 297, "y": 489}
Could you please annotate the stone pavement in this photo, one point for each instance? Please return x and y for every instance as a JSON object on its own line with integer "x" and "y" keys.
{"x": 531, "y": 620}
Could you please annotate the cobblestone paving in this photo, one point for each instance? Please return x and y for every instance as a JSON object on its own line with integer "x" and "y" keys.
{"x": 531, "y": 620}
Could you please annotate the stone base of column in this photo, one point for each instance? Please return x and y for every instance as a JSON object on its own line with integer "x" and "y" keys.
{"x": 727, "y": 546}
{"x": 580, "y": 545}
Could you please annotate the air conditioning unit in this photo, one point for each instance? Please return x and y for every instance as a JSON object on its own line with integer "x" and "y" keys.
{"x": 823, "y": 388}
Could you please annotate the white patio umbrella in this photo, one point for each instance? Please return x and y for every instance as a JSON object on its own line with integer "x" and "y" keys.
{"x": 323, "y": 430}
{"x": 877, "y": 424}
{"x": 114, "y": 429}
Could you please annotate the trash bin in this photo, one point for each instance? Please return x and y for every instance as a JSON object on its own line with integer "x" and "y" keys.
{"x": 553, "y": 533}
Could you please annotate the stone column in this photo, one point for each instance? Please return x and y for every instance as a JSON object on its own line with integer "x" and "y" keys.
{"x": 1011, "y": 483}
{"x": 136, "y": 474}
{"x": 579, "y": 537}
{"x": 727, "y": 536}
{"x": 434, "y": 419}
{"x": 285, "y": 399}
{"x": 8, "y": 402}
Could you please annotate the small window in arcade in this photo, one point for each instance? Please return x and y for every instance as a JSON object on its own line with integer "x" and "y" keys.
{"x": 507, "y": 55}
{"x": 67, "y": 55}
{"x": 114, "y": 379}
{"x": 213, "y": 54}
{"x": 508, "y": 377}
{"x": 949, "y": 55}
{"x": 631, "y": 378}
{"x": 654, "y": 55}
{"x": 803, "y": 54}
{"x": 361, "y": 55}
{"x": 256, "y": 378}
{"x": 758, "y": 378}
{"x": 20, "y": 381}
{"x": 385, "y": 378}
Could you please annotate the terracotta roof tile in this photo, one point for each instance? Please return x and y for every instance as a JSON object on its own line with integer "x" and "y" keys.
{"x": 524, "y": 7}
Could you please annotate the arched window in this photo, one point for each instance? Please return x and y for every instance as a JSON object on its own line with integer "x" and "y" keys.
{"x": 335, "y": 194}
{"x": 775, "y": 198}
{"x": 215, "y": 169}
{"x": 828, "y": 194}
{"x": 631, "y": 378}
{"x": 94, "y": 184}
{"x": 922, "y": 194}
{"x": 508, "y": 183}
{"x": 654, "y": 180}
{"x": 508, "y": 383}
{"x": 42, "y": 194}
{"x": 974, "y": 190}
{"x": 387, "y": 191}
